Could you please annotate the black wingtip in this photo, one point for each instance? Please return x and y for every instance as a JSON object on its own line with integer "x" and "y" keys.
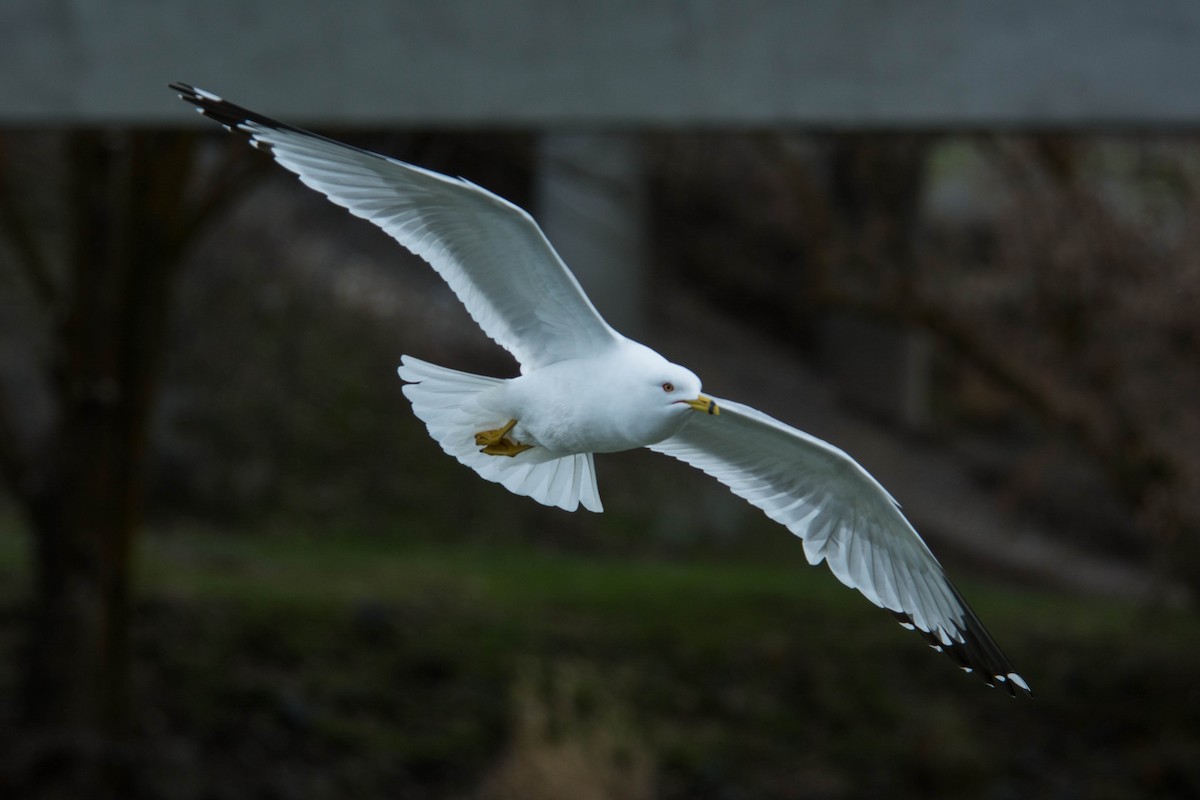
{"x": 218, "y": 109}
{"x": 203, "y": 100}
{"x": 238, "y": 119}
{"x": 977, "y": 652}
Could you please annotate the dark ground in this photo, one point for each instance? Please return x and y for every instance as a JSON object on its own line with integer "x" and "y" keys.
{"x": 352, "y": 664}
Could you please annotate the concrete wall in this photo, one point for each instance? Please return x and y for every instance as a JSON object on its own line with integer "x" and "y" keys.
{"x": 660, "y": 62}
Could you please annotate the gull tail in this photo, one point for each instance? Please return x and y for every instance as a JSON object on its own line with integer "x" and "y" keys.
{"x": 455, "y": 406}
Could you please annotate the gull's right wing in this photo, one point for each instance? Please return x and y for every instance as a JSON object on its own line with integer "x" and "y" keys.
{"x": 846, "y": 519}
{"x": 491, "y": 252}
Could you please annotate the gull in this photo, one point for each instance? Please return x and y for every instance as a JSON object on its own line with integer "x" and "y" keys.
{"x": 583, "y": 389}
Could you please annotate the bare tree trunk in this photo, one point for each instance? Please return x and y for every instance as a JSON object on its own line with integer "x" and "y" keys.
{"x": 132, "y": 210}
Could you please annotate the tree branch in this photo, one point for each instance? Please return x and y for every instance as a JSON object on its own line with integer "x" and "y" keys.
{"x": 1134, "y": 464}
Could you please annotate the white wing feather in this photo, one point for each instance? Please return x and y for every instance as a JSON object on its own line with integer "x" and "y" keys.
{"x": 491, "y": 252}
{"x": 845, "y": 518}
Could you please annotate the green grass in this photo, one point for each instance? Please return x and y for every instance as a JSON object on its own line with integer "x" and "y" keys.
{"x": 322, "y": 570}
{"x": 314, "y": 666}
{"x": 307, "y": 572}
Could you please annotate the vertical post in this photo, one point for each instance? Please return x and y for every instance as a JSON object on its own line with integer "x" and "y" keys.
{"x": 590, "y": 202}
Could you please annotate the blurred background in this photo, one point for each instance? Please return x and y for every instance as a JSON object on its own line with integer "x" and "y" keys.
{"x": 958, "y": 240}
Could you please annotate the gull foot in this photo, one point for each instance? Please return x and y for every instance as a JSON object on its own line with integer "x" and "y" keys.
{"x": 496, "y": 442}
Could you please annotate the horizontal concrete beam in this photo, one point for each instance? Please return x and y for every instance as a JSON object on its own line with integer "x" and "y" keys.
{"x": 823, "y": 63}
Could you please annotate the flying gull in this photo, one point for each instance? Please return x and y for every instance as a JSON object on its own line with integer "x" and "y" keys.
{"x": 585, "y": 389}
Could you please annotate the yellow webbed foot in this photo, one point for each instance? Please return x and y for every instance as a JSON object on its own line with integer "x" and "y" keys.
{"x": 496, "y": 435}
{"x": 496, "y": 442}
{"x": 506, "y": 447}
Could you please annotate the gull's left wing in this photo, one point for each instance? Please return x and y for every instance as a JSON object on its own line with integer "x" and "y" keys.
{"x": 491, "y": 252}
{"x": 844, "y": 518}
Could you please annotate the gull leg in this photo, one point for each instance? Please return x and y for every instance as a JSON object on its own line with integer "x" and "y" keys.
{"x": 496, "y": 442}
{"x": 496, "y": 435}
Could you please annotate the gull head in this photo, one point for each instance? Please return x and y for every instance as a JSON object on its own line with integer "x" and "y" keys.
{"x": 659, "y": 394}
{"x": 657, "y": 382}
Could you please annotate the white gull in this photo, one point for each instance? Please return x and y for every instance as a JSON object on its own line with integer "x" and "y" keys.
{"x": 584, "y": 389}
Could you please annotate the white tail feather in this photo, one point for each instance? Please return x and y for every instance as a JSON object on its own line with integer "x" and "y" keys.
{"x": 455, "y": 406}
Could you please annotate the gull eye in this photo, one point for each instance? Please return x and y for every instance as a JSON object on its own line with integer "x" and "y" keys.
{"x": 668, "y": 387}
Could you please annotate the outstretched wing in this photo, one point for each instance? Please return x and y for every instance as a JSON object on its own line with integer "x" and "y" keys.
{"x": 492, "y": 253}
{"x": 844, "y": 518}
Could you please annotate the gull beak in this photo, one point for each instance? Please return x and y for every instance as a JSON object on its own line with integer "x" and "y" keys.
{"x": 705, "y": 404}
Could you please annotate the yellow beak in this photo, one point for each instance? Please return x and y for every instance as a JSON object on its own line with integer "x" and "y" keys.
{"x": 705, "y": 404}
